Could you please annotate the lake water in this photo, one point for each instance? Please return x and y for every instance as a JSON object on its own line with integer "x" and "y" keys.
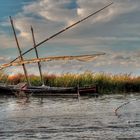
{"x": 70, "y": 118}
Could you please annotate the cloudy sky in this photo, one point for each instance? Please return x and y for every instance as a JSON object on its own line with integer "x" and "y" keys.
{"x": 115, "y": 31}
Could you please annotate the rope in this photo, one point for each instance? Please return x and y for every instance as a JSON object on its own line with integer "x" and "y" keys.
{"x": 119, "y": 107}
{"x": 122, "y": 105}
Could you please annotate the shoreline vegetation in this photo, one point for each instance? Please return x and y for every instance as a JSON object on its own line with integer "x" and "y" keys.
{"x": 106, "y": 83}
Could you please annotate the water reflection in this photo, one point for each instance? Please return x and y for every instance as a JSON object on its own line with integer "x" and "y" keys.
{"x": 70, "y": 118}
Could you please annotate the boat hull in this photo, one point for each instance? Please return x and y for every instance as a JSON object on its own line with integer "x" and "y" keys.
{"x": 48, "y": 91}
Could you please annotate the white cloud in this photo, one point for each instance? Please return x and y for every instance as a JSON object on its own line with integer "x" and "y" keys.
{"x": 6, "y": 41}
{"x": 119, "y": 7}
{"x": 4, "y": 59}
{"x": 56, "y": 16}
{"x": 114, "y": 30}
{"x": 111, "y": 63}
{"x": 53, "y": 10}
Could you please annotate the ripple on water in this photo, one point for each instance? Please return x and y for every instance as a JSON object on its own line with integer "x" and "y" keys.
{"x": 60, "y": 118}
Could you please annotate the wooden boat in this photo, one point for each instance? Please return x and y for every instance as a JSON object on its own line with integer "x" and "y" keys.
{"x": 26, "y": 89}
{"x": 46, "y": 90}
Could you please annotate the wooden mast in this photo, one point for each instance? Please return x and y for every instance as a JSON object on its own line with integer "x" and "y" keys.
{"x": 21, "y": 57}
{"x": 37, "y": 56}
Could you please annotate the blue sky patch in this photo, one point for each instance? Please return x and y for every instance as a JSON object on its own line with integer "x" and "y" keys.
{"x": 11, "y": 7}
{"x": 71, "y": 5}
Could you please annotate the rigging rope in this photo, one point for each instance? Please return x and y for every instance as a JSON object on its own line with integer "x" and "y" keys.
{"x": 122, "y": 105}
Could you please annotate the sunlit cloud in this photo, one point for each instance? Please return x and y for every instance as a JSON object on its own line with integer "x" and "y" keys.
{"x": 114, "y": 31}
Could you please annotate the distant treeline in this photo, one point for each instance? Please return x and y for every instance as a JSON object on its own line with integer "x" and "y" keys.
{"x": 106, "y": 83}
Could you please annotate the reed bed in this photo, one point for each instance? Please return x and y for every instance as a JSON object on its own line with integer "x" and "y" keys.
{"x": 106, "y": 83}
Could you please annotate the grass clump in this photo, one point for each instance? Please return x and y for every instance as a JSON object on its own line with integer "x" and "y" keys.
{"x": 106, "y": 83}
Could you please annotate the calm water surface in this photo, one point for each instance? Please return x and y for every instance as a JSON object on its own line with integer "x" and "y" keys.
{"x": 70, "y": 119}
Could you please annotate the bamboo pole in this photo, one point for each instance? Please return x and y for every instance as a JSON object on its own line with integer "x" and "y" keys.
{"x": 37, "y": 56}
{"x": 21, "y": 57}
{"x": 63, "y": 30}
{"x": 84, "y": 58}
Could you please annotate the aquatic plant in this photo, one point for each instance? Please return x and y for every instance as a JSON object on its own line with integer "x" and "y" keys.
{"x": 106, "y": 83}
